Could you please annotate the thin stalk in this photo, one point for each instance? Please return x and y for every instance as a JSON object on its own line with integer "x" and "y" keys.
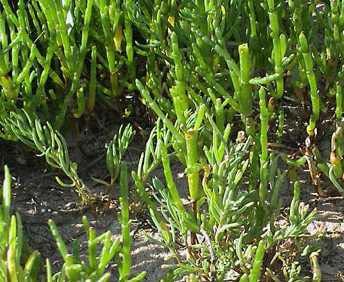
{"x": 125, "y": 224}
{"x": 308, "y": 60}
{"x": 264, "y": 127}
{"x": 245, "y": 94}
{"x": 192, "y": 156}
{"x": 279, "y": 42}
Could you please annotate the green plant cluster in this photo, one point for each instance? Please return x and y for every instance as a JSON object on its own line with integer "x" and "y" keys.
{"x": 221, "y": 78}
{"x": 18, "y": 266}
{"x": 57, "y": 55}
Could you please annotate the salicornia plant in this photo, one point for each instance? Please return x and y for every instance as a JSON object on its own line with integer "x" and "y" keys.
{"x": 12, "y": 267}
{"x": 225, "y": 214}
{"x": 102, "y": 250}
{"x": 308, "y": 61}
{"x": 48, "y": 143}
{"x": 232, "y": 91}
{"x": 116, "y": 150}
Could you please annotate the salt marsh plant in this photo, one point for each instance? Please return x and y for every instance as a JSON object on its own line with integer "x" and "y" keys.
{"x": 236, "y": 87}
{"x": 49, "y": 71}
{"x": 225, "y": 203}
{"x": 116, "y": 150}
{"x": 48, "y": 143}
{"x": 75, "y": 268}
{"x": 218, "y": 226}
{"x": 14, "y": 264}
{"x": 13, "y": 247}
{"x": 206, "y": 50}
{"x": 292, "y": 51}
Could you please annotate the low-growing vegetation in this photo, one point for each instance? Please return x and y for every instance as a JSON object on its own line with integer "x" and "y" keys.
{"x": 238, "y": 105}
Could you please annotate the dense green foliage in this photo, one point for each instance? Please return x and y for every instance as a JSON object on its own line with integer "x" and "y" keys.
{"x": 223, "y": 80}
